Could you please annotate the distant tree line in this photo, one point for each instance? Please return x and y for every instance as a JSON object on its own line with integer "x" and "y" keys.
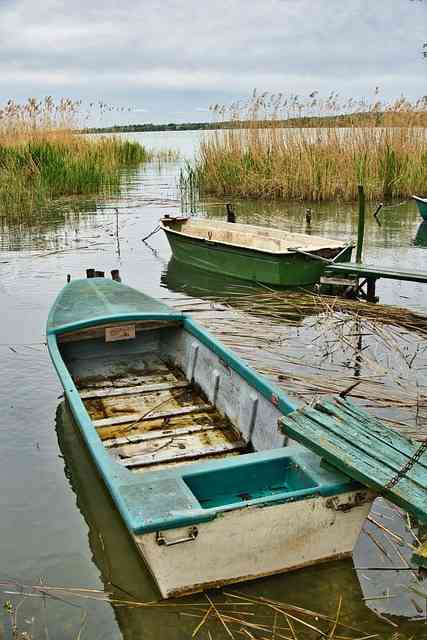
{"x": 171, "y": 126}
{"x": 368, "y": 118}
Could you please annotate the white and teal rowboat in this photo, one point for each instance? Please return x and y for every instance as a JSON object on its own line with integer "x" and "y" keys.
{"x": 185, "y": 437}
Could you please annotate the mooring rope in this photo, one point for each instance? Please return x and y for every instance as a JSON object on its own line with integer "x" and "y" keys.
{"x": 151, "y": 234}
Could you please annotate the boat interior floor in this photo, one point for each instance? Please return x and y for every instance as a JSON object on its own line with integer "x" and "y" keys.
{"x": 250, "y": 236}
{"x": 149, "y": 416}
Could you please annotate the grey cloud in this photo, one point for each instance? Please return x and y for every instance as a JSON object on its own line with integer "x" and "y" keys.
{"x": 142, "y": 53}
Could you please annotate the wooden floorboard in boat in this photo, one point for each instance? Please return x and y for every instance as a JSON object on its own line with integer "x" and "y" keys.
{"x": 161, "y": 402}
{"x": 162, "y": 375}
{"x": 177, "y": 442}
{"x": 152, "y": 424}
{"x": 185, "y": 462}
{"x": 151, "y": 459}
{"x": 130, "y": 369}
{"x": 157, "y": 419}
{"x": 152, "y": 415}
{"x": 109, "y": 392}
{"x": 157, "y": 434}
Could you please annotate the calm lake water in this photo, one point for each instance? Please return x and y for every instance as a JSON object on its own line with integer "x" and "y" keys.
{"x": 57, "y": 525}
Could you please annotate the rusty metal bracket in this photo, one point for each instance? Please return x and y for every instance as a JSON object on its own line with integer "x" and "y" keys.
{"x": 162, "y": 542}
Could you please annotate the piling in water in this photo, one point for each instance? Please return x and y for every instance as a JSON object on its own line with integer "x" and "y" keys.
{"x": 361, "y": 222}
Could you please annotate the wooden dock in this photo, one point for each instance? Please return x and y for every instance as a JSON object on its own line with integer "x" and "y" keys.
{"x": 370, "y": 274}
{"x": 361, "y": 446}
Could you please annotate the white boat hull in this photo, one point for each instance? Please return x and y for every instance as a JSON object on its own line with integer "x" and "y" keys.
{"x": 249, "y": 543}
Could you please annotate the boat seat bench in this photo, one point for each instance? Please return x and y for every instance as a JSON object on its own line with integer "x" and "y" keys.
{"x": 186, "y": 495}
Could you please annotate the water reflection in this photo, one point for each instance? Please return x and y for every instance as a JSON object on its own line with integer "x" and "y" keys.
{"x": 122, "y": 571}
{"x": 33, "y": 497}
{"x": 47, "y": 227}
{"x": 125, "y": 577}
{"x": 186, "y": 279}
{"x": 193, "y": 282}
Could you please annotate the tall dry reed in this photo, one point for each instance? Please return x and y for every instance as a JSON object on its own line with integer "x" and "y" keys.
{"x": 315, "y": 149}
{"x": 42, "y": 156}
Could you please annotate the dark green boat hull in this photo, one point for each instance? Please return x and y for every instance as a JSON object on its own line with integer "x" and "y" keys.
{"x": 282, "y": 270}
{"x": 422, "y": 206}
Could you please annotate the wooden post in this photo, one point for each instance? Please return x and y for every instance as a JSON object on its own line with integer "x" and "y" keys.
{"x": 115, "y": 275}
{"x": 231, "y": 216}
{"x": 370, "y": 290}
{"x": 361, "y": 223}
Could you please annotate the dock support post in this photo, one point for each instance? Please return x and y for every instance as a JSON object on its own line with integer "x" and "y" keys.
{"x": 370, "y": 290}
{"x": 361, "y": 222}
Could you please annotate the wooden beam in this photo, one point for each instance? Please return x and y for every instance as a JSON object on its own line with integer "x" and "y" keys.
{"x": 366, "y": 270}
{"x": 158, "y": 434}
{"x": 127, "y": 391}
{"x": 98, "y": 331}
{"x": 359, "y": 445}
{"x": 135, "y": 417}
{"x": 165, "y": 456}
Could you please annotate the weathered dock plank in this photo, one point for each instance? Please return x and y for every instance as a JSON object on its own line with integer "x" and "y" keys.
{"x": 371, "y": 271}
{"x": 361, "y": 446}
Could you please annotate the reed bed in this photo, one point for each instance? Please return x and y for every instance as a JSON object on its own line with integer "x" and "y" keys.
{"x": 227, "y": 614}
{"x": 313, "y": 346}
{"x": 42, "y": 157}
{"x": 314, "y": 149}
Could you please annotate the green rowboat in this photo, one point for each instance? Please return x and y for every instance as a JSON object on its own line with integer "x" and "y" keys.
{"x": 248, "y": 252}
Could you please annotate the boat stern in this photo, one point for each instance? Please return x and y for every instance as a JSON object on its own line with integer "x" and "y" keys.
{"x": 249, "y": 517}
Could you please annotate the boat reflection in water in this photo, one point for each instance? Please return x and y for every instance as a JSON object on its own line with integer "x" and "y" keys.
{"x": 184, "y": 278}
{"x": 197, "y": 283}
{"x": 420, "y": 239}
{"x": 121, "y": 568}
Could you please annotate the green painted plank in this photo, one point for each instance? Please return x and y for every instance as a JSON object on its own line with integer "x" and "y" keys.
{"x": 345, "y": 409}
{"x": 376, "y": 272}
{"x": 369, "y": 446}
{"x": 348, "y": 458}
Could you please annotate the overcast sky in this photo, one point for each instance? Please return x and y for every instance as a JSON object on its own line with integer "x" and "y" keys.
{"x": 169, "y": 60}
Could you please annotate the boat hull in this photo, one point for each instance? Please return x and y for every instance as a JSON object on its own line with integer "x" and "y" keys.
{"x": 282, "y": 270}
{"x": 422, "y": 206}
{"x": 185, "y": 437}
{"x": 254, "y": 542}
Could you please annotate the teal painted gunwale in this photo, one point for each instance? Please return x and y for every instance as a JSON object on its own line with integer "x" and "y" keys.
{"x": 120, "y": 480}
{"x": 117, "y": 317}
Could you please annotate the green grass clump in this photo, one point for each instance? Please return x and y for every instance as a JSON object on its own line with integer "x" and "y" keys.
{"x": 277, "y": 154}
{"x": 43, "y": 158}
